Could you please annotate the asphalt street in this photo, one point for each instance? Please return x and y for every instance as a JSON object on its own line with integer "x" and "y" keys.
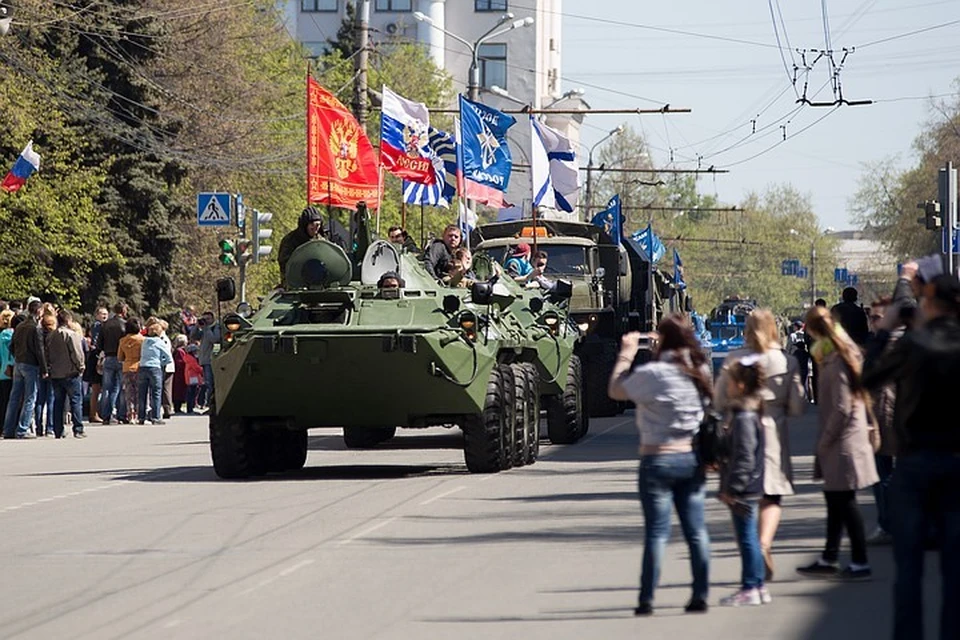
{"x": 129, "y": 534}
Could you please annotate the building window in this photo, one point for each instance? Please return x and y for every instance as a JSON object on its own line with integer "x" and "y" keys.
{"x": 490, "y": 5}
{"x": 318, "y": 5}
{"x": 493, "y": 65}
{"x": 394, "y": 5}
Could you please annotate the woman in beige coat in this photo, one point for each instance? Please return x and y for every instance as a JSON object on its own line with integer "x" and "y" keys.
{"x": 782, "y": 397}
{"x": 844, "y": 456}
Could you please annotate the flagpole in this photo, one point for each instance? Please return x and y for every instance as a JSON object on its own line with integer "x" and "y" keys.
{"x": 379, "y": 194}
{"x": 534, "y": 209}
{"x": 651, "y": 324}
{"x": 403, "y": 214}
{"x": 423, "y": 237}
{"x": 329, "y": 207}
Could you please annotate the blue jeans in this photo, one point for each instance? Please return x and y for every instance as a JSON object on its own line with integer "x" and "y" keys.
{"x": 881, "y": 490}
{"x": 111, "y": 390}
{"x": 745, "y": 523}
{"x": 673, "y": 478}
{"x": 18, "y": 418}
{"x": 43, "y": 409}
{"x": 67, "y": 389}
{"x": 208, "y": 380}
{"x": 926, "y": 490}
{"x": 149, "y": 382}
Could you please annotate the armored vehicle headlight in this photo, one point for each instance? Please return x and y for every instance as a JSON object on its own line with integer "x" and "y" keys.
{"x": 468, "y": 322}
{"x": 234, "y": 322}
{"x": 553, "y": 323}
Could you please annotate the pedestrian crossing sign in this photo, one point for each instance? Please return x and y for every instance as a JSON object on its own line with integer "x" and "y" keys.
{"x": 213, "y": 209}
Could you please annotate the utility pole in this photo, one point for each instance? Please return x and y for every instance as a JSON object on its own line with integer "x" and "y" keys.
{"x": 813, "y": 274}
{"x": 360, "y": 86}
{"x": 947, "y": 184}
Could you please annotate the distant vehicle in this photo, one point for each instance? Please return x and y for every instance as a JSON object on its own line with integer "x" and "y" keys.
{"x": 726, "y": 324}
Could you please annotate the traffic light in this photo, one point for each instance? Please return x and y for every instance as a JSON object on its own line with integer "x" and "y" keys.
{"x": 243, "y": 250}
{"x": 228, "y": 253}
{"x": 241, "y": 213}
{"x": 931, "y": 214}
{"x": 259, "y": 234}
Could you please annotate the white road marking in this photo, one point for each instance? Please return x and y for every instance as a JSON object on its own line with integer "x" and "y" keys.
{"x": 442, "y": 495}
{"x": 282, "y": 574}
{"x": 367, "y": 530}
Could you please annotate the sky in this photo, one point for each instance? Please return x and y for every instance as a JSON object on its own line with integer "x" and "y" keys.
{"x": 721, "y": 59}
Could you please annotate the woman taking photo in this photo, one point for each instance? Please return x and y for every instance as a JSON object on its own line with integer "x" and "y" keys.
{"x": 670, "y": 393}
{"x": 844, "y": 456}
{"x": 782, "y": 396}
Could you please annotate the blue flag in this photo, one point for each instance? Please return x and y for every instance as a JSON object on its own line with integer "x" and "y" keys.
{"x": 486, "y": 157}
{"x": 653, "y": 249}
{"x": 678, "y": 271}
{"x": 611, "y": 219}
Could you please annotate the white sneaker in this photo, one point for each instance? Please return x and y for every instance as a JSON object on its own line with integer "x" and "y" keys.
{"x": 765, "y": 597}
{"x": 742, "y": 598}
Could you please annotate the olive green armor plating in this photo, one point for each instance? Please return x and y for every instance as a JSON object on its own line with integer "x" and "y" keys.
{"x": 336, "y": 350}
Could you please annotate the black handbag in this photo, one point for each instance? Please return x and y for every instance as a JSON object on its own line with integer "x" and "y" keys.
{"x": 709, "y": 440}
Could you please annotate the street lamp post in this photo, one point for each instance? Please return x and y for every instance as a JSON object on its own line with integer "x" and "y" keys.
{"x": 616, "y": 131}
{"x": 473, "y": 84}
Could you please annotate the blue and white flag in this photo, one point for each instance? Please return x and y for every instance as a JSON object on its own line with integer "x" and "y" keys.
{"x": 652, "y": 247}
{"x": 678, "y": 271}
{"x": 611, "y": 219}
{"x": 443, "y": 155}
{"x": 563, "y": 166}
{"x": 486, "y": 156}
{"x": 542, "y": 185}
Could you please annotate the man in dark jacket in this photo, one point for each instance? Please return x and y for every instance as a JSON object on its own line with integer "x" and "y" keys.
{"x": 851, "y": 316}
{"x": 30, "y": 366}
{"x": 925, "y": 364}
{"x": 439, "y": 253}
{"x": 65, "y": 356}
{"x": 111, "y": 394}
{"x": 309, "y": 226}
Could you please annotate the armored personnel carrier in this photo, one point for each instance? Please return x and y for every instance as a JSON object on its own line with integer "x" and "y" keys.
{"x": 335, "y": 349}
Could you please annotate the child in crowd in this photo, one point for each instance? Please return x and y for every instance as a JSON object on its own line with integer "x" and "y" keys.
{"x": 741, "y": 476}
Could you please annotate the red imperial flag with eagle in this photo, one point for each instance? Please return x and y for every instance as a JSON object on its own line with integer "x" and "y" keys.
{"x": 342, "y": 167}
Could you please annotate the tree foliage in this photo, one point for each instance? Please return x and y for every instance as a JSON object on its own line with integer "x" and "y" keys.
{"x": 888, "y": 196}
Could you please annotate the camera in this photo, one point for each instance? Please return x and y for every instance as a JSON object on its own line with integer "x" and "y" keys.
{"x": 201, "y": 322}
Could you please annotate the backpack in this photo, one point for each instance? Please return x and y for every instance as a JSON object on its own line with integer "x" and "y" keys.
{"x": 709, "y": 441}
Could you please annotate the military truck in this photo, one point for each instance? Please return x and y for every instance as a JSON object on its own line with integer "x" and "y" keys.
{"x": 614, "y": 288}
{"x": 336, "y": 350}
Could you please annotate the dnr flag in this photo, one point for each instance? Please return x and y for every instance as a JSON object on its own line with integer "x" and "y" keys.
{"x": 486, "y": 157}
{"x": 404, "y": 138}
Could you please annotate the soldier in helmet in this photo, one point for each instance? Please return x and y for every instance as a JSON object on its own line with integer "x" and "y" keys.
{"x": 309, "y": 226}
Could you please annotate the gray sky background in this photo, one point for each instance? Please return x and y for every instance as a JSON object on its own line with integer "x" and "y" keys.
{"x": 729, "y": 70}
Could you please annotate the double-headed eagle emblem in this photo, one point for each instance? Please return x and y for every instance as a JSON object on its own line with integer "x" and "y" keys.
{"x": 344, "y": 137}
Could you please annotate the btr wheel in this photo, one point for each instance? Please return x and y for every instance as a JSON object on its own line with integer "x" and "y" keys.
{"x": 483, "y": 432}
{"x": 532, "y": 435}
{"x": 522, "y": 417}
{"x": 232, "y": 448}
{"x": 565, "y": 415}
